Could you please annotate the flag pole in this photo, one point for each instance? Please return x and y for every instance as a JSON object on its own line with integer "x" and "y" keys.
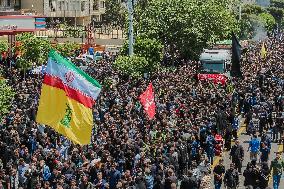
{"x": 131, "y": 35}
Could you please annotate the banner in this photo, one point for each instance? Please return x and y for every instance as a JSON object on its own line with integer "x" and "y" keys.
{"x": 147, "y": 99}
{"x": 236, "y": 57}
{"x": 216, "y": 78}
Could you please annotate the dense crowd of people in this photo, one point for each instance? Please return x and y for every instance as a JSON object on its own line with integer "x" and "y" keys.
{"x": 176, "y": 149}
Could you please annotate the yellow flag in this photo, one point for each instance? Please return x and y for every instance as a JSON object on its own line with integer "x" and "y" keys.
{"x": 67, "y": 98}
{"x": 263, "y": 51}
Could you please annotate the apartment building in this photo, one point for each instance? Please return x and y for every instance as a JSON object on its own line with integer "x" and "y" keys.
{"x": 80, "y": 12}
{"x": 10, "y": 7}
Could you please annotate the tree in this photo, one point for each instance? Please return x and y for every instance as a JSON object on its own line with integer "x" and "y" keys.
{"x": 252, "y": 9}
{"x": 277, "y": 13}
{"x": 34, "y": 50}
{"x": 134, "y": 66}
{"x": 268, "y": 20}
{"x": 115, "y": 13}
{"x": 67, "y": 49}
{"x": 185, "y": 27}
{"x": 276, "y": 9}
{"x": 6, "y": 96}
{"x": 277, "y": 3}
{"x": 150, "y": 49}
{"x": 3, "y": 46}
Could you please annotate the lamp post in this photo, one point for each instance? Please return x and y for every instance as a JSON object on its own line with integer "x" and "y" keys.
{"x": 130, "y": 17}
{"x": 240, "y": 10}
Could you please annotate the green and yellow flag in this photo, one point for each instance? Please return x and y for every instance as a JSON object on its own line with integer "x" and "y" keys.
{"x": 263, "y": 51}
{"x": 67, "y": 97}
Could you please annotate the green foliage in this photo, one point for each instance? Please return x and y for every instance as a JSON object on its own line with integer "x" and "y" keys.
{"x": 151, "y": 49}
{"x": 276, "y": 9}
{"x": 115, "y": 14}
{"x": 277, "y": 13}
{"x": 252, "y": 24}
{"x": 107, "y": 82}
{"x": 3, "y": 46}
{"x": 6, "y": 96}
{"x": 67, "y": 49}
{"x": 277, "y": 3}
{"x": 187, "y": 26}
{"x": 268, "y": 20}
{"x": 34, "y": 50}
{"x": 252, "y": 9}
{"x": 134, "y": 66}
{"x": 23, "y": 64}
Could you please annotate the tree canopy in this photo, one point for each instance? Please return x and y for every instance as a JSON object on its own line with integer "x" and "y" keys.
{"x": 115, "y": 13}
{"x": 34, "y": 50}
{"x": 185, "y": 27}
{"x": 6, "y": 95}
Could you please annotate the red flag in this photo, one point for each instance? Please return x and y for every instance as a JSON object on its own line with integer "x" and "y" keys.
{"x": 147, "y": 99}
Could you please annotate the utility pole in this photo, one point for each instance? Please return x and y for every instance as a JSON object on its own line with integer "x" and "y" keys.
{"x": 75, "y": 18}
{"x": 240, "y": 11}
{"x": 130, "y": 17}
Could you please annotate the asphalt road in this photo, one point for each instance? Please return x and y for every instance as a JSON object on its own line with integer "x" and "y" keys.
{"x": 244, "y": 141}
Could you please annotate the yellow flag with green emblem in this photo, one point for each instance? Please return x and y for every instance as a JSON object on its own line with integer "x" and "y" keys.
{"x": 67, "y": 97}
{"x": 263, "y": 51}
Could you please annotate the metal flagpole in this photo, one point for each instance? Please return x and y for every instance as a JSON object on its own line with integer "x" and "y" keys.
{"x": 130, "y": 16}
{"x": 240, "y": 11}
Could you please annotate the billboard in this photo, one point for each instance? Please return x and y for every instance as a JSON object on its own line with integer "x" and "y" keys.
{"x": 19, "y": 24}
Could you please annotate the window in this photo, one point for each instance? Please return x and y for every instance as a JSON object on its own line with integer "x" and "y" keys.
{"x": 60, "y": 5}
{"x": 52, "y": 5}
{"x": 17, "y": 2}
{"x": 95, "y": 5}
{"x": 96, "y": 18}
{"x": 102, "y": 6}
{"x": 83, "y": 4}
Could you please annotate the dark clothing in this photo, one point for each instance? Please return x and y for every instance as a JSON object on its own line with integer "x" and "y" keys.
{"x": 218, "y": 172}
{"x": 237, "y": 154}
{"x": 189, "y": 182}
{"x": 264, "y": 154}
{"x": 231, "y": 178}
{"x": 251, "y": 177}
{"x": 228, "y": 138}
{"x": 263, "y": 178}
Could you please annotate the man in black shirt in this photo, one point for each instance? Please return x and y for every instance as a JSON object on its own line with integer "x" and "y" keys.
{"x": 189, "y": 181}
{"x": 231, "y": 178}
{"x": 237, "y": 155}
{"x": 219, "y": 171}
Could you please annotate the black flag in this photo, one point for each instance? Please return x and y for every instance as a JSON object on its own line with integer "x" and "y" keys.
{"x": 236, "y": 57}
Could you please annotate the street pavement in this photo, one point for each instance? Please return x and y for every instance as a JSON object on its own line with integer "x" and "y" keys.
{"x": 244, "y": 141}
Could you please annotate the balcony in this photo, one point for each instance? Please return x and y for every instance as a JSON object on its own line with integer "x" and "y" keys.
{"x": 7, "y": 8}
{"x": 66, "y": 8}
{"x": 63, "y": 13}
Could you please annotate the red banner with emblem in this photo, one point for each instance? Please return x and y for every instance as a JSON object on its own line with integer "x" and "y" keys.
{"x": 147, "y": 99}
{"x": 215, "y": 78}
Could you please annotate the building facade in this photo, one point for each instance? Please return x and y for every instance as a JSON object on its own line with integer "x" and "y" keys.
{"x": 10, "y": 7}
{"x": 80, "y": 12}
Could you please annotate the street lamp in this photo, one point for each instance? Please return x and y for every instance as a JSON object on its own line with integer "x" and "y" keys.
{"x": 130, "y": 6}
